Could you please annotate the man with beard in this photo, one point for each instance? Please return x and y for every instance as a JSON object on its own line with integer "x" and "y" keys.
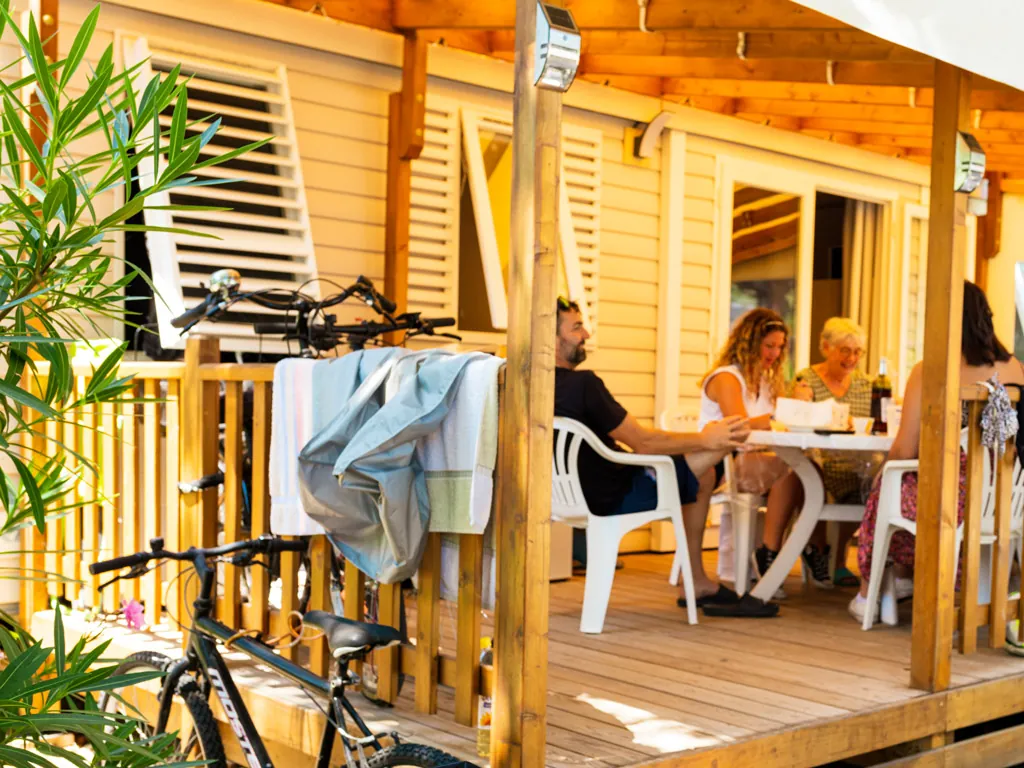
{"x": 616, "y": 489}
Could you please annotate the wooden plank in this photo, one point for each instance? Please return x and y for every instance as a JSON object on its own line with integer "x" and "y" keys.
{"x": 617, "y": 14}
{"x": 1002, "y": 748}
{"x": 467, "y": 655}
{"x": 399, "y": 190}
{"x": 229, "y": 601}
{"x": 90, "y": 512}
{"x": 968, "y": 617}
{"x": 935, "y": 559}
{"x": 109, "y": 466}
{"x": 428, "y": 625}
{"x": 218, "y": 372}
{"x": 128, "y": 500}
{"x": 320, "y": 554}
{"x": 985, "y": 701}
{"x": 199, "y": 433}
{"x": 523, "y": 521}
{"x": 389, "y": 607}
{"x": 72, "y": 544}
{"x": 414, "y": 93}
{"x": 152, "y": 477}
{"x": 256, "y": 611}
{"x": 355, "y": 602}
{"x": 54, "y": 523}
{"x": 1001, "y": 548}
{"x": 289, "y": 603}
{"x": 173, "y": 601}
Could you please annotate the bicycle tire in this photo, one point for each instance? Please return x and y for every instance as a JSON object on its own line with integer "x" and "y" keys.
{"x": 412, "y": 756}
{"x": 206, "y": 735}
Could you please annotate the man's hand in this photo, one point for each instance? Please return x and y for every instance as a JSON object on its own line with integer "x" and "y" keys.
{"x": 730, "y": 432}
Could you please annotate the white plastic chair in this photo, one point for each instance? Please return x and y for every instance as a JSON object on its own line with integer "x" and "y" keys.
{"x": 890, "y": 519}
{"x": 604, "y": 534}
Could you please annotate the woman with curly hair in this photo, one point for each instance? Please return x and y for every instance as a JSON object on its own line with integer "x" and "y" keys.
{"x": 746, "y": 381}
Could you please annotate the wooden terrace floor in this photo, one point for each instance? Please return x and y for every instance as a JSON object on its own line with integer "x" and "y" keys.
{"x": 799, "y": 690}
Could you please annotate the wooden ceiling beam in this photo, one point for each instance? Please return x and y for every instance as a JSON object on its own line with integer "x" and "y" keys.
{"x": 778, "y": 70}
{"x": 765, "y": 249}
{"x": 744, "y": 220}
{"x": 475, "y": 40}
{"x": 649, "y": 86}
{"x": 874, "y": 112}
{"x": 733, "y": 15}
{"x": 768, "y": 235}
{"x": 366, "y": 13}
{"x": 837, "y": 45}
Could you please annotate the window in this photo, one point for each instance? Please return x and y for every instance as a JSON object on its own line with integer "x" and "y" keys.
{"x": 266, "y": 234}
{"x": 486, "y": 213}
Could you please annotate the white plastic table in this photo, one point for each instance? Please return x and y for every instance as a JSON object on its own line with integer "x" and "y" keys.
{"x": 791, "y": 447}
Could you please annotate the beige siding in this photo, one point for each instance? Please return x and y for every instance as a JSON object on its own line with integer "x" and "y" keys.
{"x": 696, "y": 288}
{"x": 630, "y": 204}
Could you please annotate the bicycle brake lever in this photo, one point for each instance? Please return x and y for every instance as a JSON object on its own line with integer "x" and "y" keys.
{"x": 134, "y": 573}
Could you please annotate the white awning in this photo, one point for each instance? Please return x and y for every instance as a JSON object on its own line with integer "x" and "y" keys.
{"x": 983, "y": 36}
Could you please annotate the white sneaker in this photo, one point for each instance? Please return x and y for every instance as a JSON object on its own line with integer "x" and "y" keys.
{"x": 858, "y": 607}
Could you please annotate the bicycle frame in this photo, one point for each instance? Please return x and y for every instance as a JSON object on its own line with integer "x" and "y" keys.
{"x": 204, "y": 656}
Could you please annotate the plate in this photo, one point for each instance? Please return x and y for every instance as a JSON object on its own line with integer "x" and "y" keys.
{"x": 799, "y": 428}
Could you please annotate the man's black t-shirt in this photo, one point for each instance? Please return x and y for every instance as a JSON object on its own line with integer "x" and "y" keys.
{"x": 581, "y": 395}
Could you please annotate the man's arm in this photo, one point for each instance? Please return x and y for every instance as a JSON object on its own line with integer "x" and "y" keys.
{"x": 718, "y": 436}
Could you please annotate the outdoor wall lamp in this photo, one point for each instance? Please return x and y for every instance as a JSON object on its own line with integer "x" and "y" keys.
{"x": 970, "y": 163}
{"x": 557, "y": 48}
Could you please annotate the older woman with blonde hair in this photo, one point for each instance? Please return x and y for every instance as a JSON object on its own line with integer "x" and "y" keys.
{"x": 837, "y": 377}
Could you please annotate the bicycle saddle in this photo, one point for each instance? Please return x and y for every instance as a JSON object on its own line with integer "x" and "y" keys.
{"x": 346, "y": 637}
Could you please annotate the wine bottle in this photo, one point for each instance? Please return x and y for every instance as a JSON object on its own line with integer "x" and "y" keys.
{"x": 881, "y": 397}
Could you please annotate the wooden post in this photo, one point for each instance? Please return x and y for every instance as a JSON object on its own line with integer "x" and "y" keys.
{"x": 229, "y": 603}
{"x": 935, "y": 558}
{"x": 259, "y": 590}
{"x": 389, "y": 612}
{"x": 199, "y": 430}
{"x": 406, "y": 134}
{"x": 467, "y": 654}
{"x": 46, "y": 17}
{"x": 518, "y": 737}
{"x": 153, "y": 474}
{"x": 972, "y": 531}
{"x": 990, "y": 226}
{"x": 428, "y": 625}
{"x": 172, "y": 499}
{"x": 1000, "y": 575}
{"x": 320, "y": 554}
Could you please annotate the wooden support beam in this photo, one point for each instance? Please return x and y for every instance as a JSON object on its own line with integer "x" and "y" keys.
{"x": 990, "y": 226}
{"x": 939, "y": 452}
{"x": 519, "y": 734}
{"x": 46, "y": 14}
{"x": 406, "y": 134}
{"x": 467, "y": 657}
{"x": 733, "y": 15}
{"x": 366, "y": 13}
{"x": 428, "y": 625}
{"x": 835, "y": 45}
{"x": 200, "y": 417}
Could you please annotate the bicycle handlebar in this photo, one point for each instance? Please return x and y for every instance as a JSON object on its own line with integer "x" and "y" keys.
{"x": 194, "y": 314}
{"x": 264, "y": 545}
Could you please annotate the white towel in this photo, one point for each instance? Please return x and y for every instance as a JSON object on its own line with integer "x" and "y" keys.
{"x": 458, "y": 459}
{"x": 291, "y": 428}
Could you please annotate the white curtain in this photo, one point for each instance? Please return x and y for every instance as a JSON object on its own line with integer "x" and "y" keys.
{"x": 863, "y": 275}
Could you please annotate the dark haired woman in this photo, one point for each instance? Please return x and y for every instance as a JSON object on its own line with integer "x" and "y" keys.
{"x": 983, "y": 358}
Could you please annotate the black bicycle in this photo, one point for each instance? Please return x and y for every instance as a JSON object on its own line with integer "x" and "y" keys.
{"x": 202, "y": 668}
{"x": 308, "y": 323}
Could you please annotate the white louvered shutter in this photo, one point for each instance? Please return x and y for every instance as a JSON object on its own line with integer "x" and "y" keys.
{"x": 266, "y": 236}
{"x": 915, "y": 271}
{"x": 581, "y": 169}
{"x": 434, "y": 215}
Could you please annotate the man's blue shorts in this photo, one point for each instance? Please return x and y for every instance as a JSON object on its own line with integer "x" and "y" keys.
{"x": 643, "y": 496}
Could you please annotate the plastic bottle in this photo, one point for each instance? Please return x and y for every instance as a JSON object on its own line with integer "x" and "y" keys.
{"x": 483, "y": 716}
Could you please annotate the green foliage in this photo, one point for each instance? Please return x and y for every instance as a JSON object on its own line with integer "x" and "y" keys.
{"x": 56, "y": 249}
{"x": 99, "y": 127}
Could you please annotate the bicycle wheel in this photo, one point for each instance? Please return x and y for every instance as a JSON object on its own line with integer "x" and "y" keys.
{"x": 412, "y": 756}
{"x": 201, "y": 738}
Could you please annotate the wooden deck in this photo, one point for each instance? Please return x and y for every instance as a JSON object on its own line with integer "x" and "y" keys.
{"x": 804, "y": 689}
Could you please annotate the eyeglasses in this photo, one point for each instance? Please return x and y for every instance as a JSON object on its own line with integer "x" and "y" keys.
{"x": 850, "y": 351}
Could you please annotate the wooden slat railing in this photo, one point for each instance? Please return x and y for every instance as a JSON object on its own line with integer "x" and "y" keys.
{"x": 972, "y": 616}
{"x": 168, "y": 431}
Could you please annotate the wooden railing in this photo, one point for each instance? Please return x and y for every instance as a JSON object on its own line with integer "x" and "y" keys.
{"x": 144, "y": 449}
{"x": 972, "y": 616}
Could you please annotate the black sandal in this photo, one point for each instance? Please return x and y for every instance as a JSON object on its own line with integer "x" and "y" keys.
{"x": 724, "y": 596}
{"x": 748, "y": 607}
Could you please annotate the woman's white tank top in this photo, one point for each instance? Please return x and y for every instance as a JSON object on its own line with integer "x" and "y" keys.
{"x": 757, "y": 405}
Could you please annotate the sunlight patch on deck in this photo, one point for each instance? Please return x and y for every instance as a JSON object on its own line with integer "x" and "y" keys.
{"x": 650, "y": 730}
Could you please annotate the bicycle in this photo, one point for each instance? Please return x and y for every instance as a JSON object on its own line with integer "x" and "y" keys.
{"x": 202, "y": 669}
{"x": 314, "y": 339}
